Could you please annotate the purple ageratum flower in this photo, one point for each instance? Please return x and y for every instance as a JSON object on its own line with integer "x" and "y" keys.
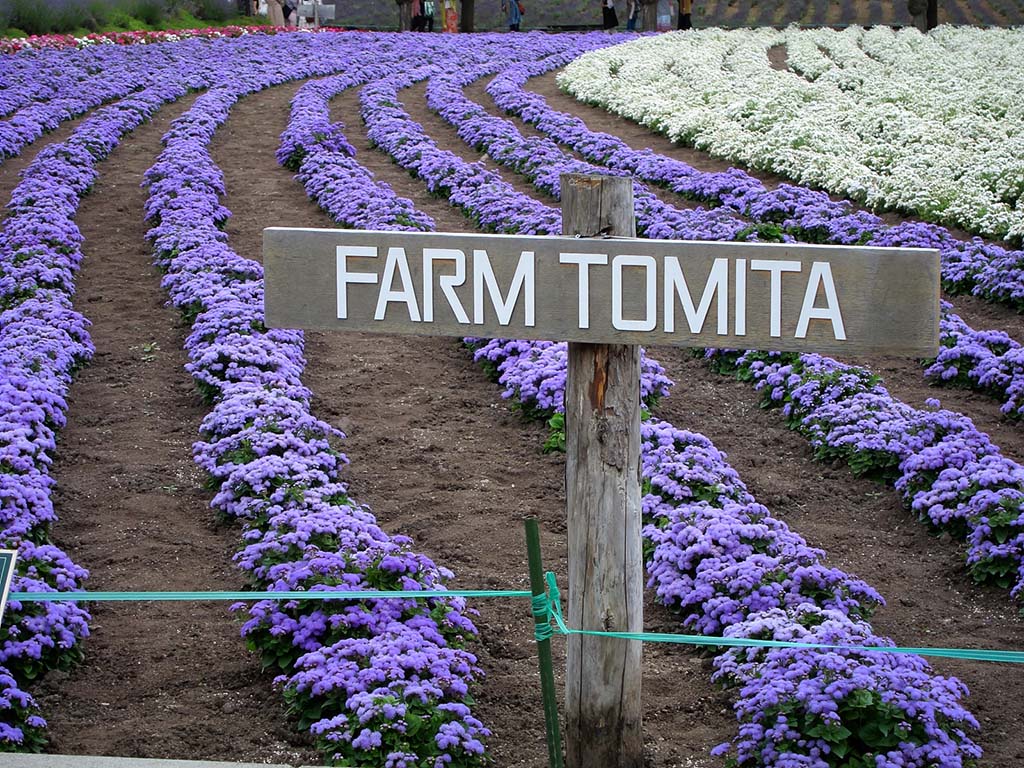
{"x": 21, "y": 726}
{"x": 830, "y": 689}
{"x": 533, "y": 372}
{"x": 383, "y": 684}
{"x": 40, "y": 636}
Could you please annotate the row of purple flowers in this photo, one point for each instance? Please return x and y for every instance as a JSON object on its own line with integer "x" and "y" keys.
{"x": 987, "y": 361}
{"x": 373, "y": 680}
{"x": 714, "y": 554}
{"x": 947, "y": 472}
{"x": 43, "y": 341}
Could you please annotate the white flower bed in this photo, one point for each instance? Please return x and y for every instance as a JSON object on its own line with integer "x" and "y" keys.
{"x": 930, "y": 125}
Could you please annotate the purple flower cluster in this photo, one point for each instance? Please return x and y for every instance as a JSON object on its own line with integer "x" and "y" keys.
{"x": 536, "y": 377}
{"x": 730, "y": 568}
{"x": 982, "y": 269}
{"x": 533, "y": 373}
{"x": 947, "y": 472}
{"x": 988, "y": 361}
{"x": 43, "y": 341}
{"x": 367, "y": 675}
{"x": 327, "y": 167}
{"x": 886, "y": 708}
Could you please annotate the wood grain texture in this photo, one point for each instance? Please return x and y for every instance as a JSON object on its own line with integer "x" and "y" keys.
{"x": 602, "y": 472}
{"x": 888, "y": 298}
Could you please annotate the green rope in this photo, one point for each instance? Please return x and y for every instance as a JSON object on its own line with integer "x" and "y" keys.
{"x": 1012, "y": 657}
{"x": 541, "y": 606}
{"x": 320, "y": 594}
{"x": 548, "y": 606}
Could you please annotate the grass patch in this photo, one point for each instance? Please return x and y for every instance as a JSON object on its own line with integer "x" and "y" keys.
{"x": 20, "y": 18}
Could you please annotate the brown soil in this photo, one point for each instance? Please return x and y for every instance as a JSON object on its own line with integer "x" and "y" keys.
{"x": 778, "y": 58}
{"x": 161, "y": 679}
{"x": 439, "y": 456}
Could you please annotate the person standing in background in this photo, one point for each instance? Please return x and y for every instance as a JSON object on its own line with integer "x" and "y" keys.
{"x": 632, "y": 14}
{"x": 451, "y": 16}
{"x": 609, "y": 19}
{"x": 685, "y": 21}
{"x": 515, "y": 16}
{"x": 275, "y": 12}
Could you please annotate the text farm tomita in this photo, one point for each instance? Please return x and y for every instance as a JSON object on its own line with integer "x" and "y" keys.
{"x": 768, "y": 296}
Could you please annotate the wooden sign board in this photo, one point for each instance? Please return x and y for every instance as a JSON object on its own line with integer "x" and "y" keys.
{"x": 829, "y": 299}
{"x": 7, "y": 559}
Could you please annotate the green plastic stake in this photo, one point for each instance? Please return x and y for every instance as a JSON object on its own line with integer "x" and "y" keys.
{"x": 543, "y": 632}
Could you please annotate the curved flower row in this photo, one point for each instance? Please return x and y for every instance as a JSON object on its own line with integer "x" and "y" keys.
{"x": 43, "y": 341}
{"x": 370, "y": 679}
{"x": 947, "y": 472}
{"x": 988, "y": 361}
{"x": 728, "y": 567}
{"x": 133, "y": 37}
{"x": 989, "y": 271}
{"x": 890, "y": 121}
{"x": 78, "y": 84}
{"x": 326, "y": 164}
{"x": 542, "y": 162}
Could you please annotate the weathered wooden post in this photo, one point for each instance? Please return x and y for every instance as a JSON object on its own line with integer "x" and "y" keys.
{"x": 602, "y": 481}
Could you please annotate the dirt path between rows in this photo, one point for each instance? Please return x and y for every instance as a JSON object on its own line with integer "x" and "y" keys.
{"x": 440, "y": 457}
{"x": 171, "y": 680}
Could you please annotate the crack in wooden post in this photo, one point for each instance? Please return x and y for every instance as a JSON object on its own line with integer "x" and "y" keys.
{"x": 600, "y": 381}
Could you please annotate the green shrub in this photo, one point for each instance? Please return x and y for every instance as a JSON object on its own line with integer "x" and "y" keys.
{"x": 214, "y": 10}
{"x": 40, "y": 18}
{"x": 150, "y": 12}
